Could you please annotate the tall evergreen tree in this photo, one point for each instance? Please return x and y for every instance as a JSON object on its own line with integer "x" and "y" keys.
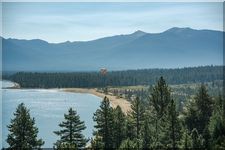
{"x": 119, "y": 123}
{"x": 23, "y": 132}
{"x": 191, "y": 115}
{"x": 205, "y": 107}
{"x": 173, "y": 127}
{"x": 137, "y": 116}
{"x": 159, "y": 101}
{"x": 160, "y": 97}
{"x": 217, "y": 124}
{"x": 104, "y": 119}
{"x": 146, "y": 133}
{"x": 130, "y": 131}
{"x": 200, "y": 111}
{"x": 71, "y": 132}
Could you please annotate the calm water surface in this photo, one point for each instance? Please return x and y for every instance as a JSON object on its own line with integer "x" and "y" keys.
{"x": 48, "y": 108}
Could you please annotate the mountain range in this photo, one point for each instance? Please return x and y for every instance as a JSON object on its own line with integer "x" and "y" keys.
{"x": 173, "y": 48}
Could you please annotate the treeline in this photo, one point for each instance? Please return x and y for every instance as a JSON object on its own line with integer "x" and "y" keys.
{"x": 156, "y": 125}
{"x": 116, "y": 78}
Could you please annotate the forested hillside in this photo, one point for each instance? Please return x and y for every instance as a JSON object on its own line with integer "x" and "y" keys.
{"x": 157, "y": 124}
{"x": 153, "y": 124}
{"x": 117, "y": 78}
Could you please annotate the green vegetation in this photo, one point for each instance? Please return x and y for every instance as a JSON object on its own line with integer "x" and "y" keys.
{"x": 104, "y": 119}
{"x": 158, "y": 124}
{"x": 70, "y": 134}
{"x": 117, "y": 78}
{"x": 119, "y": 126}
{"x": 154, "y": 122}
{"x": 23, "y": 133}
{"x": 181, "y": 93}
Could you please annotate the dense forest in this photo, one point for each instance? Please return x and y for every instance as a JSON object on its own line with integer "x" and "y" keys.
{"x": 116, "y": 78}
{"x": 156, "y": 124}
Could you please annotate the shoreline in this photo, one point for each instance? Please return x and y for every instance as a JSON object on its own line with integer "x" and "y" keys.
{"x": 114, "y": 101}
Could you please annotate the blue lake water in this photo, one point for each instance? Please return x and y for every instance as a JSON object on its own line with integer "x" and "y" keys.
{"x": 48, "y": 108}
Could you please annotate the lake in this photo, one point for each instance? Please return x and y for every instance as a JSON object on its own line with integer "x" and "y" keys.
{"x": 48, "y": 108}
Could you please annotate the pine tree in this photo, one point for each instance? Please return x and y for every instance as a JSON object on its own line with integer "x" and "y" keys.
{"x": 130, "y": 131}
{"x": 217, "y": 125}
{"x": 71, "y": 132}
{"x": 199, "y": 111}
{"x": 191, "y": 115}
{"x": 137, "y": 116}
{"x": 146, "y": 133}
{"x": 173, "y": 127}
{"x": 205, "y": 108}
{"x": 159, "y": 101}
{"x": 119, "y": 123}
{"x": 160, "y": 97}
{"x": 23, "y": 132}
{"x": 104, "y": 119}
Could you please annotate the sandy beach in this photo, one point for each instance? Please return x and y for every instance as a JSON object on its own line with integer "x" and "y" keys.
{"x": 123, "y": 103}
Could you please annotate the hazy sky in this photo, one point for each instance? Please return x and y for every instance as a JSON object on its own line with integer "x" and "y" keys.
{"x": 59, "y": 22}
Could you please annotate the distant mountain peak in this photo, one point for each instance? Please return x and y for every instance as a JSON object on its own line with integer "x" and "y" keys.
{"x": 178, "y": 29}
{"x": 39, "y": 40}
{"x": 175, "y": 47}
{"x": 66, "y": 42}
{"x": 139, "y": 33}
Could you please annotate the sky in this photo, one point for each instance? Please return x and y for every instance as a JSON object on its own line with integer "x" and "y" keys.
{"x": 60, "y": 22}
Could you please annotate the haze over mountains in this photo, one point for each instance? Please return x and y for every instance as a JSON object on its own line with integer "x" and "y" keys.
{"x": 176, "y": 47}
